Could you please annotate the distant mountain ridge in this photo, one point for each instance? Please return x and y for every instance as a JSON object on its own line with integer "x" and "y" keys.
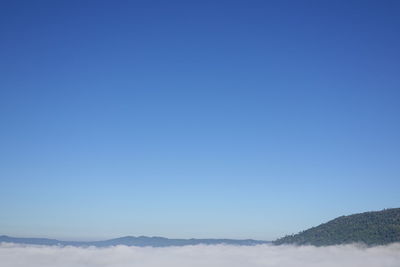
{"x": 140, "y": 241}
{"x": 371, "y": 228}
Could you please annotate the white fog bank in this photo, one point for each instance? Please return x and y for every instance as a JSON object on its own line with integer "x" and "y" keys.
{"x": 12, "y": 255}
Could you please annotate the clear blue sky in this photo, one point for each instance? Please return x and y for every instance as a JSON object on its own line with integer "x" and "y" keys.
{"x": 238, "y": 119}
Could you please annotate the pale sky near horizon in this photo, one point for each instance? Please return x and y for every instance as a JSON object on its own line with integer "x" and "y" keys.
{"x": 225, "y": 119}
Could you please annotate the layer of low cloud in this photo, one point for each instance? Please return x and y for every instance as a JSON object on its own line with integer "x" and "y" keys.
{"x": 12, "y": 255}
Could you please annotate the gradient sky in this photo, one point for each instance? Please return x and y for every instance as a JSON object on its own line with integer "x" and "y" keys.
{"x": 237, "y": 119}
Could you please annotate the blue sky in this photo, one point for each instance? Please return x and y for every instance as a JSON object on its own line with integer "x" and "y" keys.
{"x": 238, "y": 119}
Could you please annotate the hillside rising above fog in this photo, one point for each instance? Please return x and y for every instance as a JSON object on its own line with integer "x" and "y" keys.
{"x": 371, "y": 228}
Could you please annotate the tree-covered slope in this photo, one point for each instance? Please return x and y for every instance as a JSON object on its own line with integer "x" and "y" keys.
{"x": 371, "y": 228}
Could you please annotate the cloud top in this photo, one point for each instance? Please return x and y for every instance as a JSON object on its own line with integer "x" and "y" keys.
{"x": 13, "y": 255}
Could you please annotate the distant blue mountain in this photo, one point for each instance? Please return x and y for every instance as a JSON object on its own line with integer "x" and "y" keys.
{"x": 141, "y": 241}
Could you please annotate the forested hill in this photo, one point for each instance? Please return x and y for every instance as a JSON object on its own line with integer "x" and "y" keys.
{"x": 371, "y": 228}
